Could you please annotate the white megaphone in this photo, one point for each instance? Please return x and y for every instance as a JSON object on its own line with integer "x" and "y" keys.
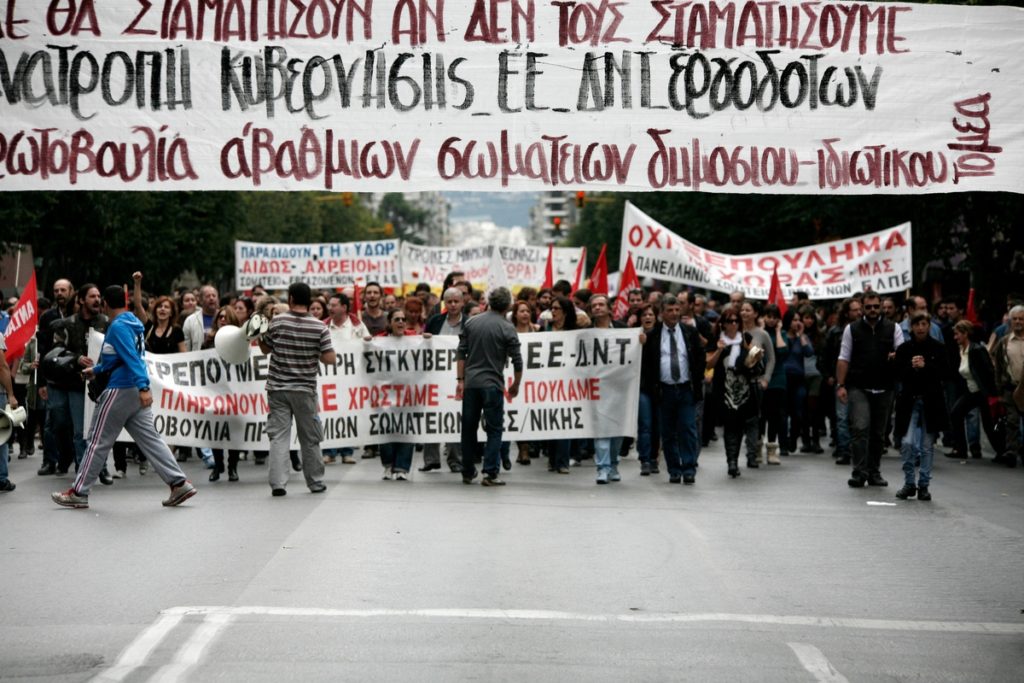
{"x": 11, "y": 420}
{"x": 232, "y": 343}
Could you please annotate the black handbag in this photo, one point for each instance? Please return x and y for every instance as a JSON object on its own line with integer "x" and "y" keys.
{"x": 97, "y": 385}
{"x": 59, "y": 365}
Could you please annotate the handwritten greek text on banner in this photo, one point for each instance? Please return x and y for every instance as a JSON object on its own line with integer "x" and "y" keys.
{"x": 716, "y": 95}
{"x": 582, "y": 384}
{"x": 524, "y": 266}
{"x": 880, "y": 261}
{"x": 327, "y": 265}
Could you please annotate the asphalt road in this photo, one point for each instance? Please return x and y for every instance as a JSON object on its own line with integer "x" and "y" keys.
{"x": 782, "y": 575}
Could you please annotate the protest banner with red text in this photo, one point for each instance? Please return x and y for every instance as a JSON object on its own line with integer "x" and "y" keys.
{"x": 782, "y": 97}
{"x": 880, "y": 261}
{"x": 321, "y": 266}
{"x": 581, "y": 384}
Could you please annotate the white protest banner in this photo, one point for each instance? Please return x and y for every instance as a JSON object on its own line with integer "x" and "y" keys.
{"x": 786, "y": 96}
{"x": 880, "y": 261}
{"x": 431, "y": 265}
{"x": 580, "y": 384}
{"x": 321, "y": 266}
{"x": 525, "y": 265}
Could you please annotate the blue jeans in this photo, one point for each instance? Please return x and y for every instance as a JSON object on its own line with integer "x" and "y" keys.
{"x": 397, "y": 456}
{"x": 606, "y": 454}
{"x": 917, "y": 443}
{"x": 68, "y": 407}
{"x": 842, "y": 429}
{"x": 678, "y": 422}
{"x": 489, "y": 403}
{"x": 3, "y": 446}
{"x": 647, "y": 428}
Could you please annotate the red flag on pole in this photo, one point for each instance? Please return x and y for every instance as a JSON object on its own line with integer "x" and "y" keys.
{"x": 579, "y": 269}
{"x": 24, "y": 319}
{"x": 775, "y": 295}
{"x": 356, "y": 303}
{"x": 549, "y": 269}
{"x": 972, "y": 313}
{"x": 627, "y": 281}
{"x": 599, "y": 276}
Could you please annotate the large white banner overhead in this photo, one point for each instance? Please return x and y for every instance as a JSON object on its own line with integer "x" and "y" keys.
{"x": 715, "y": 95}
{"x": 879, "y": 260}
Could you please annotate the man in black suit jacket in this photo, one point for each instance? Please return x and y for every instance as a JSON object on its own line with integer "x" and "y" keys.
{"x": 673, "y": 360}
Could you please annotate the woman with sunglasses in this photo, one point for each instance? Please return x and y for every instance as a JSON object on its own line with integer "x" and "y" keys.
{"x": 563, "y": 319}
{"x": 648, "y": 435}
{"x": 739, "y": 363}
{"x": 397, "y": 457}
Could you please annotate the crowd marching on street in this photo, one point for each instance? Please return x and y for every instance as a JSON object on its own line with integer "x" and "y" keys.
{"x": 856, "y": 377}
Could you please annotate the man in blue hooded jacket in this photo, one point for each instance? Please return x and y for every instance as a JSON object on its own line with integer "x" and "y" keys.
{"x": 125, "y": 403}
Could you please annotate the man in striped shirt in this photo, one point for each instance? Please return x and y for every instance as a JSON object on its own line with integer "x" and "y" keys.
{"x": 297, "y": 343}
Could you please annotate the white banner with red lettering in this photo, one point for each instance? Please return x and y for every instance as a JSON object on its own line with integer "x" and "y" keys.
{"x": 832, "y": 270}
{"x": 524, "y": 266}
{"x": 576, "y": 385}
{"x": 321, "y": 266}
{"x": 785, "y": 97}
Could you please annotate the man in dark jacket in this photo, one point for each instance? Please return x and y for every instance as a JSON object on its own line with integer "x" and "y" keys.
{"x": 921, "y": 367}
{"x": 449, "y": 322}
{"x": 865, "y": 356}
{"x": 66, "y": 390}
{"x": 674, "y": 362}
{"x": 63, "y": 307}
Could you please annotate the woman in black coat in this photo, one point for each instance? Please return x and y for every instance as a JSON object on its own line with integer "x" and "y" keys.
{"x": 921, "y": 367}
{"x": 976, "y": 377}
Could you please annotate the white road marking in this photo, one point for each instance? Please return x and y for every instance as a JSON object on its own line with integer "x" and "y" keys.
{"x": 136, "y": 654}
{"x": 218, "y": 617}
{"x": 192, "y": 651}
{"x": 817, "y": 664}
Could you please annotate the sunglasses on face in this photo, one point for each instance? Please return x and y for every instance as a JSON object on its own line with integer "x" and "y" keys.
{"x": 872, "y": 307}
{"x": 726, "y": 321}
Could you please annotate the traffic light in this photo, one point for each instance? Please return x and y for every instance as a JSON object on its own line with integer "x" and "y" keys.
{"x": 581, "y": 199}
{"x": 347, "y": 198}
{"x": 556, "y": 225}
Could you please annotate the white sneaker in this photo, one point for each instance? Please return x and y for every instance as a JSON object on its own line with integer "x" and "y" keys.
{"x": 573, "y": 462}
{"x": 120, "y": 474}
{"x": 401, "y": 476}
{"x": 388, "y": 474}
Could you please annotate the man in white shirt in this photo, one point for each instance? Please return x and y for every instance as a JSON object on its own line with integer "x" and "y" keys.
{"x": 199, "y": 325}
{"x": 343, "y": 328}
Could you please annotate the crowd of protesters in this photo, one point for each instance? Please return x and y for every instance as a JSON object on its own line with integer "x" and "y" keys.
{"x": 856, "y": 376}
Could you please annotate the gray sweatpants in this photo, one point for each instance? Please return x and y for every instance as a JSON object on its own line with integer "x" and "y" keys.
{"x": 117, "y": 409}
{"x": 284, "y": 405}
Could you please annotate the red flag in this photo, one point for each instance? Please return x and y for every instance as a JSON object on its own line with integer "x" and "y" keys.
{"x": 599, "y": 276}
{"x": 356, "y": 304}
{"x": 628, "y": 281}
{"x": 972, "y": 313}
{"x": 24, "y": 320}
{"x": 579, "y": 269}
{"x": 775, "y": 295}
{"x": 549, "y": 270}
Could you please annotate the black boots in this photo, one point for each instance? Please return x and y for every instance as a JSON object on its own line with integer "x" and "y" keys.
{"x": 908, "y": 491}
{"x": 734, "y": 468}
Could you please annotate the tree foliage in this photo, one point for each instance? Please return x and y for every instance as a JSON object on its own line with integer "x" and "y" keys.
{"x": 105, "y": 236}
